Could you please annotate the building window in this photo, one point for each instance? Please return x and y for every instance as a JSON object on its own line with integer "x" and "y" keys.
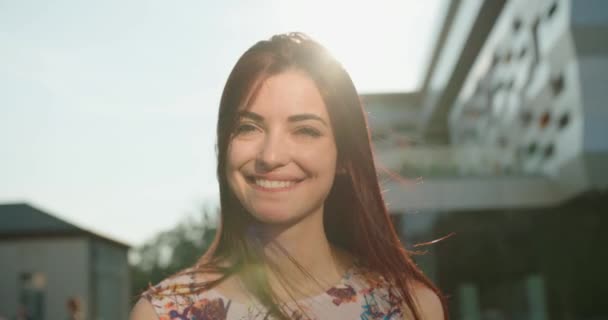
{"x": 564, "y": 120}
{"x": 31, "y": 297}
{"x": 522, "y": 52}
{"x": 532, "y": 148}
{"x": 557, "y": 84}
{"x": 516, "y": 24}
{"x": 545, "y": 119}
{"x": 549, "y": 151}
{"x": 552, "y": 10}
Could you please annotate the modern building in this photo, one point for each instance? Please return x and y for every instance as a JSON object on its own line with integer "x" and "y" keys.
{"x": 505, "y": 150}
{"x": 45, "y": 262}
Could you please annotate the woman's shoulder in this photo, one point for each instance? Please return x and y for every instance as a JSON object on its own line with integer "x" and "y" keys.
{"x": 377, "y": 294}
{"x": 427, "y": 301}
{"x": 366, "y": 279}
{"x": 185, "y": 292}
{"x": 182, "y": 283}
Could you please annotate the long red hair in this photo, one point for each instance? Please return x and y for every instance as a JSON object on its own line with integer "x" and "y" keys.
{"x": 355, "y": 218}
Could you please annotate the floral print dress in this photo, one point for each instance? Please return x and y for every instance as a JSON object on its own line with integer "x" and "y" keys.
{"x": 360, "y": 295}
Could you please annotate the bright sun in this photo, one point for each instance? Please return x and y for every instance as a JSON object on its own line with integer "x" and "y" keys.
{"x": 385, "y": 45}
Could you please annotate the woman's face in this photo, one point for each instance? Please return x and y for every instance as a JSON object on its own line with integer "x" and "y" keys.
{"x": 282, "y": 156}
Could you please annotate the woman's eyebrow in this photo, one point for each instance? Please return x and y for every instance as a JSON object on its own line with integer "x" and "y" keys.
{"x": 295, "y": 118}
{"x": 251, "y": 115}
{"x": 306, "y": 116}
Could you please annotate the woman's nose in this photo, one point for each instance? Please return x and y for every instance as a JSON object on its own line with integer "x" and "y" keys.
{"x": 273, "y": 153}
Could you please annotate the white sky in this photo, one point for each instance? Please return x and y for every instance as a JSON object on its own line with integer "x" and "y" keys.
{"x": 107, "y": 108}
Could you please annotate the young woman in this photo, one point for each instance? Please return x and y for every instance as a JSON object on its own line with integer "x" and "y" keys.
{"x": 304, "y": 231}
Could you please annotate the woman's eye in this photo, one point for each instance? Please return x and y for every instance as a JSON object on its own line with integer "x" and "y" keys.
{"x": 244, "y": 128}
{"x": 309, "y": 132}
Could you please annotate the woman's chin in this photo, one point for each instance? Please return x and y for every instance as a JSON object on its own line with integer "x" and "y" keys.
{"x": 276, "y": 217}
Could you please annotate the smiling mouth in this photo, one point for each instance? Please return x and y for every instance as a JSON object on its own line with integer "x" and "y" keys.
{"x": 272, "y": 185}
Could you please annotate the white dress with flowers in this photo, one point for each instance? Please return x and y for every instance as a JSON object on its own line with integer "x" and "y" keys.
{"x": 360, "y": 295}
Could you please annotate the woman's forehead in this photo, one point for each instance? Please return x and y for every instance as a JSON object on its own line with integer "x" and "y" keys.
{"x": 286, "y": 94}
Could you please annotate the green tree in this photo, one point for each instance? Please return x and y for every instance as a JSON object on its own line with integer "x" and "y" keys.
{"x": 171, "y": 251}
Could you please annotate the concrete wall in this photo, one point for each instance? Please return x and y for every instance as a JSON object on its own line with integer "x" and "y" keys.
{"x": 64, "y": 264}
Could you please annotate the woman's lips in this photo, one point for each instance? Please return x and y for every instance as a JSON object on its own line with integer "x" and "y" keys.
{"x": 273, "y": 184}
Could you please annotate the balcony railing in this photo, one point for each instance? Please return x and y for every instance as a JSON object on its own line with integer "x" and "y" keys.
{"x": 447, "y": 161}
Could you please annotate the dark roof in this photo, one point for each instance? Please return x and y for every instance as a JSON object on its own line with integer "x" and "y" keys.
{"x": 21, "y": 220}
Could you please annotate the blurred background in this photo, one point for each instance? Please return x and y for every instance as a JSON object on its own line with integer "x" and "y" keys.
{"x": 488, "y": 119}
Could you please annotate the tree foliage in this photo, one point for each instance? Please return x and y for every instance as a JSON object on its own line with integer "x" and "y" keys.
{"x": 171, "y": 251}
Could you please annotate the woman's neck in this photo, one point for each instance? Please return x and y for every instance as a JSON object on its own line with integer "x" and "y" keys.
{"x": 299, "y": 256}
{"x": 288, "y": 248}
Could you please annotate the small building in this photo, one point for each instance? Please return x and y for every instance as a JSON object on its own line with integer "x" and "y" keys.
{"x": 46, "y": 261}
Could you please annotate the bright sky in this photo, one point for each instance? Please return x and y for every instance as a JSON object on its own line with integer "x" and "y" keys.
{"x": 108, "y": 108}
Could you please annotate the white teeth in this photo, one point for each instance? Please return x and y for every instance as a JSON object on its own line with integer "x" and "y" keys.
{"x": 273, "y": 184}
